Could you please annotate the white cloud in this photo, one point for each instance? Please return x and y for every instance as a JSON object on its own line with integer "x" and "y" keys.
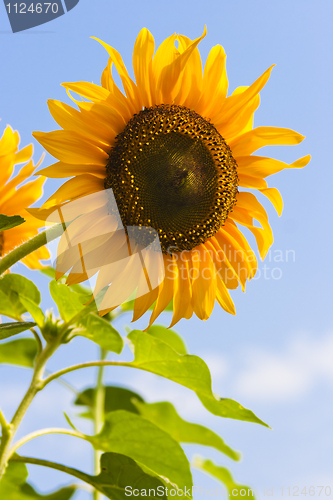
{"x": 293, "y": 372}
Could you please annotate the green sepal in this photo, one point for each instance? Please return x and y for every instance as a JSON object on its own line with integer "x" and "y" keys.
{"x": 10, "y": 221}
{"x": 9, "y": 329}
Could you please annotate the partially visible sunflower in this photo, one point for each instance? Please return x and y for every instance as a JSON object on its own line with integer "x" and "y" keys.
{"x": 174, "y": 149}
{"x": 14, "y": 200}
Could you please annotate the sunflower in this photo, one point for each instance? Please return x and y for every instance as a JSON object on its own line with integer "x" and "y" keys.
{"x": 174, "y": 152}
{"x": 14, "y": 199}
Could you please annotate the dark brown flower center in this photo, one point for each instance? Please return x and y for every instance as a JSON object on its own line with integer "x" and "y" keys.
{"x": 171, "y": 170}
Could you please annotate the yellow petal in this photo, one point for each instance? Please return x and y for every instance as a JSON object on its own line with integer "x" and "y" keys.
{"x": 24, "y": 197}
{"x": 188, "y": 89}
{"x": 9, "y": 141}
{"x": 215, "y": 82}
{"x": 223, "y": 267}
{"x": 182, "y": 289}
{"x": 223, "y": 298}
{"x": 81, "y": 122}
{"x": 260, "y": 166}
{"x": 143, "y": 67}
{"x": 24, "y": 154}
{"x": 165, "y": 291}
{"x": 275, "y": 197}
{"x": 170, "y": 74}
{"x": 235, "y": 103}
{"x": 247, "y": 208}
{"x": 237, "y": 251}
{"x": 243, "y": 121}
{"x": 61, "y": 169}
{"x": 250, "y": 182}
{"x": 259, "y": 137}
{"x": 67, "y": 146}
{"x": 129, "y": 86}
{"x": 203, "y": 282}
{"x": 79, "y": 186}
{"x": 88, "y": 90}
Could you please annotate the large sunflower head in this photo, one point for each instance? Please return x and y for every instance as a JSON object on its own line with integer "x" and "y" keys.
{"x": 175, "y": 152}
{"x": 15, "y": 198}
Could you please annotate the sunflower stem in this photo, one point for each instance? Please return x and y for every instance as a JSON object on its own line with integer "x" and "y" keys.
{"x": 30, "y": 246}
{"x": 98, "y": 412}
{"x": 34, "y": 388}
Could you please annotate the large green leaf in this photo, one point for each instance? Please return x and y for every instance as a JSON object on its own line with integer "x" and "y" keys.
{"x": 151, "y": 447}
{"x": 10, "y": 221}
{"x": 169, "y": 337}
{"x": 120, "y": 476}
{"x": 19, "y": 352}
{"x": 155, "y": 356}
{"x": 99, "y": 330}
{"x": 235, "y": 490}
{"x": 13, "y": 287}
{"x": 9, "y": 329}
{"x": 116, "y": 398}
{"x": 165, "y": 416}
{"x": 13, "y": 486}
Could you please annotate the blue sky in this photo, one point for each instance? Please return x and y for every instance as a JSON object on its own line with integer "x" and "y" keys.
{"x": 275, "y": 356}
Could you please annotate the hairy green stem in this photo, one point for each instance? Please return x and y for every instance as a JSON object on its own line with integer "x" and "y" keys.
{"x": 98, "y": 412}
{"x": 5, "y": 426}
{"x": 34, "y": 387}
{"x": 30, "y": 246}
{"x": 43, "y": 432}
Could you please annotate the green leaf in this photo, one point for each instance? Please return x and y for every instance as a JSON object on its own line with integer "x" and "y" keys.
{"x": 68, "y": 302}
{"x": 155, "y": 356}
{"x": 102, "y": 332}
{"x": 165, "y": 416}
{"x": 117, "y": 473}
{"x": 169, "y": 337}
{"x": 19, "y": 352}
{"x": 13, "y": 288}
{"x": 8, "y": 222}
{"x": 34, "y": 310}
{"x": 222, "y": 474}
{"x": 9, "y": 329}
{"x": 13, "y": 486}
{"x": 116, "y": 398}
{"x": 151, "y": 447}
